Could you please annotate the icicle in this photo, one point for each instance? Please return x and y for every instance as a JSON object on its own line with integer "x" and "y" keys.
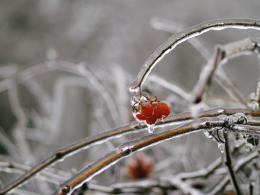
{"x": 150, "y": 128}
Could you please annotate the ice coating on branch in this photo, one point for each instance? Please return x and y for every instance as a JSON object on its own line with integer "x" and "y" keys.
{"x": 207, "y": 134}
{"x": 126, "y": 149}
{"x": 183, "y": 36}
{"x": 242, "y": 140}
{"x": 239, "y": 48}
{"x": 240, "y": 118}
{"x": 196, "y": 109}
{"x": 221, "y": 147}
{"x": 237, "y": 118}
{"x": 134, "y": 89}
{"x": 239, "y": 128}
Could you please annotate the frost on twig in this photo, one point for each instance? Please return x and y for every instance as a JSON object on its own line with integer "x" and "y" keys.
{"x": 177, "y": 39}
{"x": 102, "y": 152}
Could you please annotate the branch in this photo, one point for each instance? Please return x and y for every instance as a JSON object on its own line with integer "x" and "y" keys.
{"x": 202, "y": 172}
{"x": 77, "y": 69}
{"x": 238, "y": 47}
{"x": 240, "y": 164}
{"x": 11, "y": 167}
{"x": 229, "y": 164}
{"x": 131, "y": 147}
{"x": 170, "y": 86}
{"x": 143, "y": 186}
{"x": 100, "y": 138}
{"x": 178, "y": 38}
{"x": 206, "y": 77}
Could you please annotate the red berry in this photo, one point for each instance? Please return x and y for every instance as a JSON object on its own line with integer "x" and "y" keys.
{"x": 147, "y": 110}
{"x": 162, "y": 110}
{"x": 141, "y": 167}
{"x": 140, "y": 117}
{"x": 152, "y": 120}
{"x": 151, "y": 111}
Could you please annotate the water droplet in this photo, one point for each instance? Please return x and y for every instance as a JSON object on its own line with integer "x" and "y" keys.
{"x": 134, "y": 89}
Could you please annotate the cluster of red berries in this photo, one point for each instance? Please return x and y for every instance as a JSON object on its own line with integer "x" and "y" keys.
{"x": 140, "y": 167}
{"x": 151, "y": 110}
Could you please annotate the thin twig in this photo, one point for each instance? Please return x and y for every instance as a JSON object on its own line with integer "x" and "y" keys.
{"x": 229, "y": 164}
{"x": 137, "y": 187}
{"x": 206, "y": 77}
{"x": 77, "y": 69}
{"x": 240, "y": 164}
{"x": 170, "y": 86}
{"x": 203, "y": 172}
{"x": 11, "y": 167}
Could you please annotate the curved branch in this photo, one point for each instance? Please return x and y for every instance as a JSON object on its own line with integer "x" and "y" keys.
{"x": 129, "y": 148}
{"x": 77, "y": 69}
{"x": 178, "y": 38}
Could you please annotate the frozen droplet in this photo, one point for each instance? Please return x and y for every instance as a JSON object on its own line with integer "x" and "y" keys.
{"x": 249, "y": 147}
{"x": 126, "y": 150}
{"x": 134, "y": 89}
{"x": 207, "y": 134}
{"x": 221, "y": 147}
{"x": 150, "y": 128}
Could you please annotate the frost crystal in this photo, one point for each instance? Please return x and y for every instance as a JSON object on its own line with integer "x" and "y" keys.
{"x": 239, "y": 118}
{"x": 221, "y": 147}
{"x": 208, "y": 134}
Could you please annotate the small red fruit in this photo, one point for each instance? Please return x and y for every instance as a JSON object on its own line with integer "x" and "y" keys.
{"x": 140, "y": 167}
{"x": 147, "y": 110}
{"x": 162, "y": 110}
{"x": 152, "y": 120}
{"x": 152, "y": 110}
{"x": 140, "y": 117}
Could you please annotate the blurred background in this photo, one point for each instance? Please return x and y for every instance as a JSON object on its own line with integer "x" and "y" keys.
{"x": 65, "y": 69}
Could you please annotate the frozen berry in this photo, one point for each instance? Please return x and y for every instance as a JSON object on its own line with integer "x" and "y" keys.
{"x": 162, "y": 110}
